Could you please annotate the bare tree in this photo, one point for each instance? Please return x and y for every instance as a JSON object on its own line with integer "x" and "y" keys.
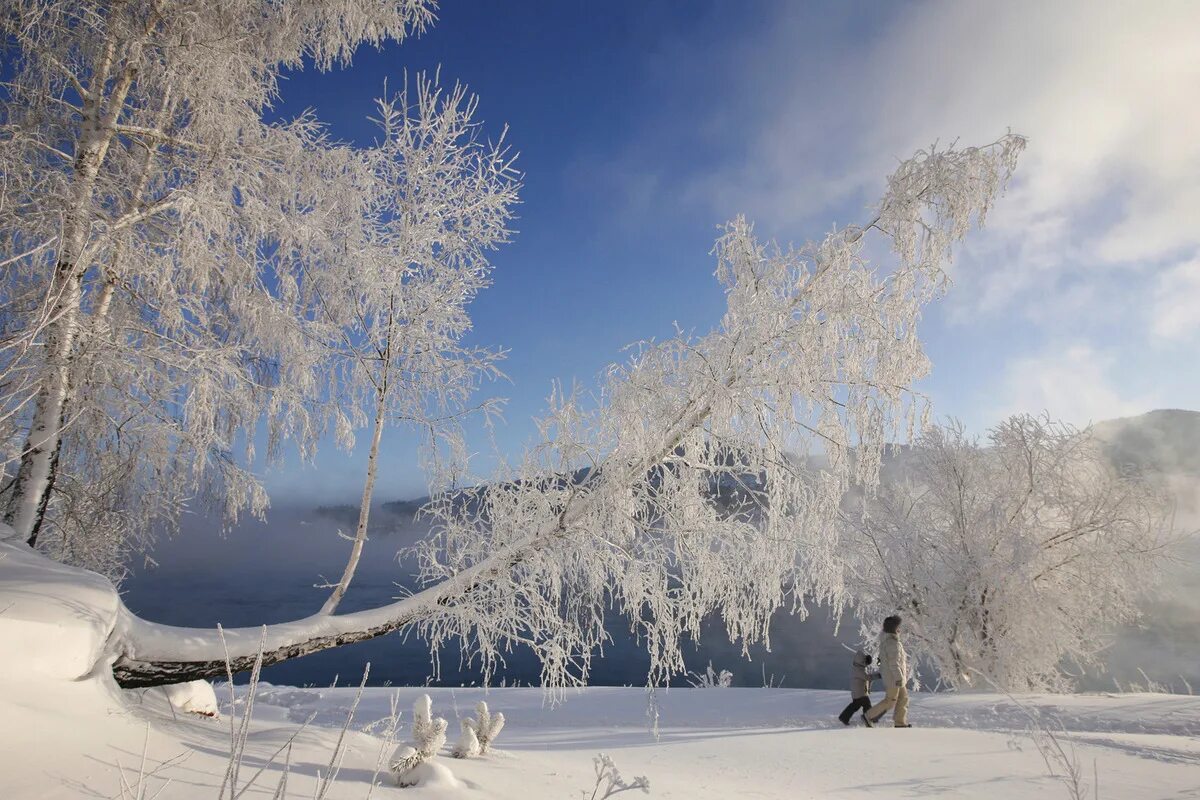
{"x": 1008, "y": 558}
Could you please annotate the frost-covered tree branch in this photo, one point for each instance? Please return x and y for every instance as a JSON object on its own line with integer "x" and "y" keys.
{"x": 814, "y": 359}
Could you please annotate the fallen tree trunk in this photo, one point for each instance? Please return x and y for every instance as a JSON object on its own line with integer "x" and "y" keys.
{"x": 150, "y": 654}
{"x": 139, "y": 670}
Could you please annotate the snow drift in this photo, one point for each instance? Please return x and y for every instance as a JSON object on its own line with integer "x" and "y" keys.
{"x": 55, "y": 620}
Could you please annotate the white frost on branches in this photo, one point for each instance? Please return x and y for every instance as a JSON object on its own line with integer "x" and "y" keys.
{"x": 609, "y": 781}
{"x": 165, "y": 252}
{"x": 813, "y": 361}
{"x": 1008, "y": 559}
{"x": 443, "y": 201}
{"x": 711, "y": 679}
{"x": 815, "y": 357}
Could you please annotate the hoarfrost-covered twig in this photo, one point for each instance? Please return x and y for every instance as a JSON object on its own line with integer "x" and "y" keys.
{"x": 711, "y": 679}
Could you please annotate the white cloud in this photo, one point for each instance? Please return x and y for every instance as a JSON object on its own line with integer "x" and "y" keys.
{"x": 1074, "y": 383}
{"x": 1105, "y": 91}
{"x": 1176, "y": 310}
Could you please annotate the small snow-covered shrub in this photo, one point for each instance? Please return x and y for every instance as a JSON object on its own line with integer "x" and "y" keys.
{"x": 429, "y": 734}
{"x": 711, "y": 679}
{"x": 468, "y": 742}
{"x": 193, "y": 697}
{"x": 488, "y": 726}
{"x": 478, "y": 734}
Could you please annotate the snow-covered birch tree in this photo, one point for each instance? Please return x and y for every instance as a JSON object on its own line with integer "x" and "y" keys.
{"x": 160, "y": 243}
{"x": 445, "y": 199}
{"x": 817, "y": 353}
{"x": 1010, "y": 559}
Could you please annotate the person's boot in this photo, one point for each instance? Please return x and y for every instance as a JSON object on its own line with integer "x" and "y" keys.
{"x": 905, "y": 725}
{"x": 844, "y": 720}
{"x": 867, "y": 721}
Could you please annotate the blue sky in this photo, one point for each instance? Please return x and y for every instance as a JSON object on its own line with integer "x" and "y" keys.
{"x": 642, "y": 126}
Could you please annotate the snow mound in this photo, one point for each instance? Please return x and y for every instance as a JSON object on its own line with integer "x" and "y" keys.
{"x": 430, "y": 775}
{"x": 57, "y": 617}
{"x": 193, "y": 697}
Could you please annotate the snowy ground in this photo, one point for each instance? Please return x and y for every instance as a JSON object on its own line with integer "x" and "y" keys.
{"x": 717, "y": 743}
{"x": 68, "y": 733}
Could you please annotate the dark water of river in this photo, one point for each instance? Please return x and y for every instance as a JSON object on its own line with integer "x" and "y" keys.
{"x": 264, "y": 573}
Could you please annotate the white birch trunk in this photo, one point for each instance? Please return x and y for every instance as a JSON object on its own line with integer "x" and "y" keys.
{"x": 33, "y": 476}
{"x": 32, "y": 482}
{"x": 364, "y": 510}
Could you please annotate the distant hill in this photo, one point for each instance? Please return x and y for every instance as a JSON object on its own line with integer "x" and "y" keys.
{"x": 1165, "y": 441}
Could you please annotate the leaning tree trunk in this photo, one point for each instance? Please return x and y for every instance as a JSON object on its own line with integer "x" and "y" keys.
{"x": 149, "y": 654}
{"x": 364, "y": 509}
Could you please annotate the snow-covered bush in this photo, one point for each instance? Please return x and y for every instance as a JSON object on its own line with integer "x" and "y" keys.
{"x": 711, "y": 679}
{"x": 468, "y": 741}
{"x": 193, "y": 697}
{"x": 479, "y": 733}
{"x": 488, "y": 726}
{"x": 428, "y": 737}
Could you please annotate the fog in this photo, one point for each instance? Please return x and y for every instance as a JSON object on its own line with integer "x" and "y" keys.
{"x": 260, "y": 573}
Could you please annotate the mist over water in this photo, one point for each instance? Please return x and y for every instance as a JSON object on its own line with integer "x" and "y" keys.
{"x": 262, "y": 573}
{"x": 265, "y": 573}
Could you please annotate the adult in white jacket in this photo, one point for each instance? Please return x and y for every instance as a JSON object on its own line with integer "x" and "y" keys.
{"x": 893, "y": 666}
